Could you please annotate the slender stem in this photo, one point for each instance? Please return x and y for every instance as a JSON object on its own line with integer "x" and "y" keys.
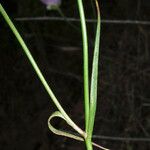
{"x": 85, "y": 73}
{"x": 38, "y": 72}
{"x": 88, "y": 144}
{"x": 85, "y": 63}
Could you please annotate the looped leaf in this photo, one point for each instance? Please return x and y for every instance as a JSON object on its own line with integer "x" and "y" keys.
{"x": 60, "y": 132}
{"x": 65, "y": 133}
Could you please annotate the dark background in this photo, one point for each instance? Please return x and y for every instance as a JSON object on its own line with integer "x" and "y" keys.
{"x": 123, "y": 111}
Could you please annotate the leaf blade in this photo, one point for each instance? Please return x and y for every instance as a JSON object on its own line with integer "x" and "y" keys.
{"x": 94, "y": 77}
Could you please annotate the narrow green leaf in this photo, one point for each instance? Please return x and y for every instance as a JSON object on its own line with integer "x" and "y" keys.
{"x": 38, "y": 71}
{"x": 94, "y": 77}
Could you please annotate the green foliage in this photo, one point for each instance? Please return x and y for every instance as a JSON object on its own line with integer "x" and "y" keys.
{"x": 89, "y": 101}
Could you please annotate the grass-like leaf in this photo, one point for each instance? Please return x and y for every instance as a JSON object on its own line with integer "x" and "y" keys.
{"x": 38, "y": 72}
{"x": 94, "y": 77}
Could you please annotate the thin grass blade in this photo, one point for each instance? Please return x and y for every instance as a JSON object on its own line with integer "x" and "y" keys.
{"x": 38, "y": 71}
{"x": 94, "y": 77}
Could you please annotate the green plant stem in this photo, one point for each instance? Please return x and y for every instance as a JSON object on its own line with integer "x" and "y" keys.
{"x": 38, "y": 72}
{"x": 88, "y": 144}
{"x": 85, "y": 73}
{"x": 90, "y": 108}
{"x": 85, "y": 63}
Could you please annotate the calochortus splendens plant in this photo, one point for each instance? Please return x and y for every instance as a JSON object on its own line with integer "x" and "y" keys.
{"x": 90, "y": 96}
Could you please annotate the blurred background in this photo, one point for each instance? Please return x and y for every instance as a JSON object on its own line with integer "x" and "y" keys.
{"x": 123, "y": 111}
